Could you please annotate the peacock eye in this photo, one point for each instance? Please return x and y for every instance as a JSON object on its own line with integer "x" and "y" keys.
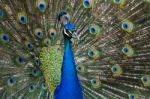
{"x": 93, "y": 81}
{"x": 22, "y": 18}
{"x": 128, "y": 50}
{"x": 37, "y": 62}
{"x": 127, "y": 26}
{"x": 32, "y": 88}
{"x": 35, "y": 72}
{"x": 125, "y": 50}
{"x": 47, "y": 42}
{"x": 94, "y": 29}
{"x": 20, "y": 60}
{"x": 4, "y": 38}
{"x": 39, "y": 33}
{"x": 80, "y": 69}
{"x": 116, "y": 70}
{"x": 11, "y": 81}
{"x": 131, "y": 97}
{"x": 93, "y": 53}
{"x": 41, "y": 5}
{"x": 96, "y": 83}
{"x": 88, "y": 4}
{"x": 134, "y": 96}
{"x": 1, "y": 13}
{"x": 120, "y": 2}
{"x": 146, "y": 80}
{"x": 44, "y": 86}
{"x": 52, "y": 33}
{"x": 117, "y": 1}
{"x": 29, "y": 45}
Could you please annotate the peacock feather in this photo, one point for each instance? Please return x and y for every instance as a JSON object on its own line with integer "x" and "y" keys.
{"x": 74, "y": 49}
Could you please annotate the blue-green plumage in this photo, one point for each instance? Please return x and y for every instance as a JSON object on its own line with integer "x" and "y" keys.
{"x": 69, "y": 87}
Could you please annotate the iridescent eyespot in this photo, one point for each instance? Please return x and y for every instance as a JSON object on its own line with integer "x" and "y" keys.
{"x": 116, "y": 70}
{"x": 39, "y": 33}
{"x": 128, "y": 50}
{"x": 93, "y": 81}
{"x": 88, "y": 4}
{"x": 20, "y": 60}
{"x": 47, "y": 42}
{"x": 52, "y": 33}
{"x": 35, "y": 72}
{"x": 22, "y": 18}
{"x": 94, "y": 29}
{"x": 37, "y": 61}
{"x": 11, "y": 81}
{"x": 146, "y": 80}
{"x": 29, "y": 45}
{"x": 4, "y": 38}
{"x": 127, "y": 26}
{"x": 133, "y": 96}
{"x": 119, "y": 2}
{"x": 96, "y": 83}
{"x": 44, "y": 86}
{"x": 41, "y": 5}
{"x": 93, "y": 53}
{"x": 32, "y": 88}
{"x": 80, "y": 69}
{"x": 1, "y": 13}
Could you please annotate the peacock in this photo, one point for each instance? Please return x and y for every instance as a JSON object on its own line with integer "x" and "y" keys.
{"x": 74, "y": 49}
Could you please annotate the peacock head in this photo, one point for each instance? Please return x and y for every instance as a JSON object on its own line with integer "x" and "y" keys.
{"x": 69, "y": 31}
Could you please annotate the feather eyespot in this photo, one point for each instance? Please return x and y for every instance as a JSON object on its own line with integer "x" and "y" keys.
{"x": 47, "y": 42}
{"x": 32, "y": 88}
{"x": 4, "y": 38}
{"x": 116, "y": 70}
{"x": 127, "y": 26}
{"x": 20, "y": 60}
{"x": 52, "y": 33}
{"x": 1, "y": 13}
{"x": 93, "y": 53}
{"x": 133, "y": 96}
{"x": 37, "y": 62}
{"x": 11, "y": 81}
{"x": 120, "y": 2}
{"x": 94, "y": 29}
{"x": 44, "y": 86}
{"x": 96, "y": 83}
{"x": 39, "y": 33}
{"x": 146, "y": 80}
{"x": 29, "y": 45}
{"x": 128, "y": 50}
{"x": 41, "y": 5}
{"x": 22, "y": 18}
{"x": 80, "y": 69}
{"x": 35, "y": 72}
{"x": 88, "y": 4}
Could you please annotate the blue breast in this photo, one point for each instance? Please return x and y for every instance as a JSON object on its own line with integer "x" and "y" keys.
{"x": 69, "y": 87}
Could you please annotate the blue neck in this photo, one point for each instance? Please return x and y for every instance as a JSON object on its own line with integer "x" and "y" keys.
{"x": 69, "y": 87}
